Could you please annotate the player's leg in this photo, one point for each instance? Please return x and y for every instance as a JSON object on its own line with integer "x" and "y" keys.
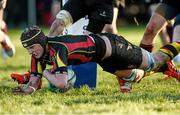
{"x": 169, "y": 68}
{"x": 118, "y": 5}
{"x": 155, "y": 25}
{"x": 150, "y": 62}
{"x": 8, "y": 48}
{"x": 165, "y": 11}
{"x": 157, "y": 61}
{"x": 112, "y": 28}
{"x": 125, "y": 55}
{"x": 127, "y": 77}
{"x": 166, "y": 34}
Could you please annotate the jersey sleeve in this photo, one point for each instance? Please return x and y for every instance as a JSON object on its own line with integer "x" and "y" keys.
{"x": 37, "y": 67}
{"x": 61, "y": 62}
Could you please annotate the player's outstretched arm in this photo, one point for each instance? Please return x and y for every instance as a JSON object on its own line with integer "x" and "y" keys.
{"x": 30, "y": 88}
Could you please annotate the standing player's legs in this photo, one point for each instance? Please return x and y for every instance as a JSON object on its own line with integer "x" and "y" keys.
{"x": 8, "y": 48}
{"x": 166, "y": 34}
{"x": 112, "y": 28}
{"x": 155, "y": 25}
{"x": 164, "y": 11}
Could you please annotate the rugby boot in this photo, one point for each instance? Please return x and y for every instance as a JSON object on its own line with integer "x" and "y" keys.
{"x": 172, "y": 71}
{"x": 21, "y": 78}
{"x": 169, "y": 69}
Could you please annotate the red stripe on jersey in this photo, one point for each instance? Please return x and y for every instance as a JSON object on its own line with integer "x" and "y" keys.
{"x": 90, "y": 42}
{"x": 86, "y": 44}
{"x": 51, "y": 49}
{"x": 33, "y": 64}
{"x": 52, "y": 56}
{"x": 79, "y": 56}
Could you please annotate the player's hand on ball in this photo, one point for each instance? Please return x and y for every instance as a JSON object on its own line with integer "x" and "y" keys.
{"x": 23, "y": 90}
{"x": 47, "y": 72}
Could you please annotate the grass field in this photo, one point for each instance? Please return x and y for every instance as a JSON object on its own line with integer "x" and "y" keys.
{"x": 154, "y": 95}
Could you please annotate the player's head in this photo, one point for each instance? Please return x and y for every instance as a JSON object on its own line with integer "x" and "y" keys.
{"x": 33, "y": 35}
{"x": 34, "y": 40}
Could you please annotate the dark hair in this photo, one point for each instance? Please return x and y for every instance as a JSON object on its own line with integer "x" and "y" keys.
{"x": 33, "y": 35}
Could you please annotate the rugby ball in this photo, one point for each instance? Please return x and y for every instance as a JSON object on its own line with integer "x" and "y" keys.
{"x": 71, "y": 82}
{"x": 71, "y": 78}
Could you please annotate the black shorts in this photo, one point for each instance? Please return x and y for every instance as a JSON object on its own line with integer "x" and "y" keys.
{"x": 169, "y": 9}
{"x": 99, "y": 12}
{"x": 125, "y": 55}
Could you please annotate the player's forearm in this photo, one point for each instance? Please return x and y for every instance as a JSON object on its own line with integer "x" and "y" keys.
{"x": 34, "y": 82}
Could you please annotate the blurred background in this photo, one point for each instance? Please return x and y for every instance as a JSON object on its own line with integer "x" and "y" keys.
{"x": 27, "y": 12}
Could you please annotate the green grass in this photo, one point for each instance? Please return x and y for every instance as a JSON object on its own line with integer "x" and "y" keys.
{"x": 153, "y": 95}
